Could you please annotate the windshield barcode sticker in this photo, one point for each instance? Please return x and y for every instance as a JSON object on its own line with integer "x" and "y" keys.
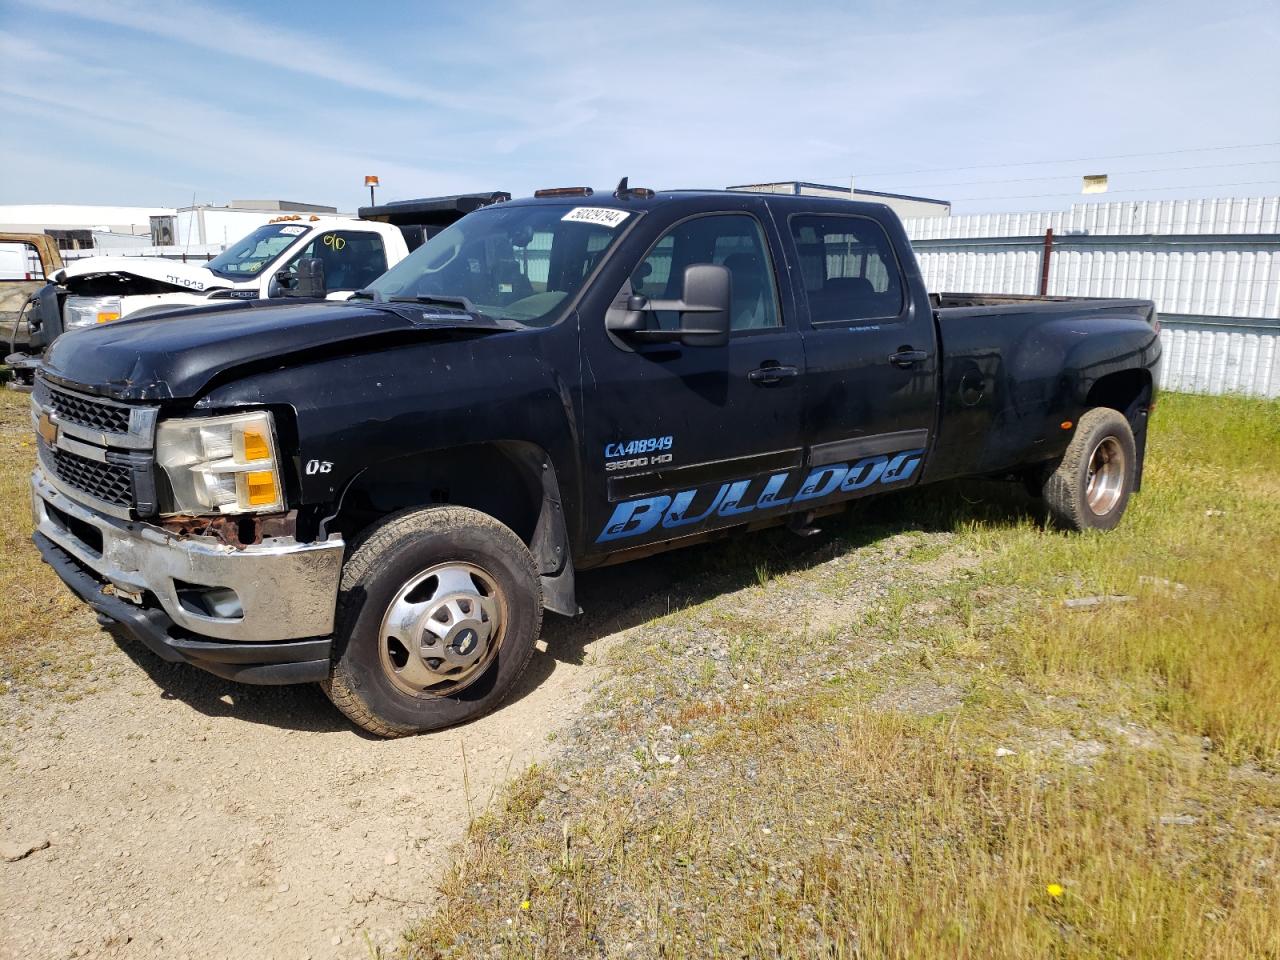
{"x": 600, "y": 215}
{"x": 292, "y": 231}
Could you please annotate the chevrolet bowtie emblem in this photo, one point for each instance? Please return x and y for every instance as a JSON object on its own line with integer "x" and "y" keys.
{"x": 48, "y": 429}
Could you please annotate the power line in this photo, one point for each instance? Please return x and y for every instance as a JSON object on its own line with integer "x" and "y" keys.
{"x": 1189, "y": 186}
{"x": 1036, "y": 163}
{"x": 1117, "y": 173}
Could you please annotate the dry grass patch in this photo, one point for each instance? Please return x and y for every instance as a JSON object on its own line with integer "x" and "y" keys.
{"x": 49, "y": 641}
{"x": 38, "y": 609}
{"x": 1096, "y": 782}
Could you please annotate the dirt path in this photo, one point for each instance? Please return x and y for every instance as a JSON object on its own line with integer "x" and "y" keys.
{"x": 187, "y": 816}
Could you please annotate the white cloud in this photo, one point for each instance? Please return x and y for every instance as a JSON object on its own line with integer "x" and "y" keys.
{"x": 230, "y": 34}
{"x": 677, "y": 94}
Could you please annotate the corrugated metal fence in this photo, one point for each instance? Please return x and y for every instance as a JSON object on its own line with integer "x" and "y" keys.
{"x": 1211, "y": 266}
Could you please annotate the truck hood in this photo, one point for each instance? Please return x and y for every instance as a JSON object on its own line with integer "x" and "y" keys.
{"x": 177, "y": 354}
{"x": 181, "y": 277}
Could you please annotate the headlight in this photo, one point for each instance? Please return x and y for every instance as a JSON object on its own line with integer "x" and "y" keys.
{"x": 221, "y": 464}
{"x": 87, "y": 311}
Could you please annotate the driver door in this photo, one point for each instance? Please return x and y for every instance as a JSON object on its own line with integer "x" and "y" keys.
{"x": 352, "y": 258}
{"x": 685, "y": 439}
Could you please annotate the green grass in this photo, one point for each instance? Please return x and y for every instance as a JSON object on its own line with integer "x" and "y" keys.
{"x": 1200, "y": 643}
{"x": 959, "y": 765}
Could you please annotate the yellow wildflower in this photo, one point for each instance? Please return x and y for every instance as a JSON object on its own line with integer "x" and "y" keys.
{"x": 524, "y": 904}
{"x": 1055, "y": 890}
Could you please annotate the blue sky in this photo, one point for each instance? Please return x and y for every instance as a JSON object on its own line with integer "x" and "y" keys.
{"x": 138, "y": 102}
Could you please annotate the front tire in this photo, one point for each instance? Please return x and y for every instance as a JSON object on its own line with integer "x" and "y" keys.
{"x": 1091, "y": 486}
{"x": 438, "y": 616}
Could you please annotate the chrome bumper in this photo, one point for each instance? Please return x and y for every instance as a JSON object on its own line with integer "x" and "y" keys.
{"x": 286, "y": 590}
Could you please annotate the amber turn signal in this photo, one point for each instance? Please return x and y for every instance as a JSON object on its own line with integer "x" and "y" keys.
{"x": 260, "y": 488}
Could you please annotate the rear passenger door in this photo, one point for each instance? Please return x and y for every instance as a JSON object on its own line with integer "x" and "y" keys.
{"x": 871, "y": 355}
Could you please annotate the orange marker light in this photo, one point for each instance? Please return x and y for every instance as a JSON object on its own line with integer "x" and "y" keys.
{"x": 260, "y": 488}
{"x": 256, "y": 446}
{"x": 1066, "y": 424}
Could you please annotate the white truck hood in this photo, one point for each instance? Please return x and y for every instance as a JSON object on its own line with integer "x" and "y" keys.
{"x": 192, "y": 277}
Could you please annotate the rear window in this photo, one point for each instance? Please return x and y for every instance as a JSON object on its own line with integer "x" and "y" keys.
{"x": 849, "y": 270}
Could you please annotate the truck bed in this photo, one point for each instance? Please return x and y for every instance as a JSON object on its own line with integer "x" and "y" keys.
{"x": 1002, "y": 376}
{"x": 968, "y": 301}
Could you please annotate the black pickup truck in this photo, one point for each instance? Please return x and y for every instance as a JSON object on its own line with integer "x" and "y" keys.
{"x": 383, "y": 495}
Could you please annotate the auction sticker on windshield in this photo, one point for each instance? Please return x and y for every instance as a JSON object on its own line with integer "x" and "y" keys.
{"x": 600, "y": 215}
{"x": 293, "y": 231}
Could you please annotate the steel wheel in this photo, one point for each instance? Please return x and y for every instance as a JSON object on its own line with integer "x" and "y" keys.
{"x": 442, "y": 630}
{"x": 1106, "y": 477}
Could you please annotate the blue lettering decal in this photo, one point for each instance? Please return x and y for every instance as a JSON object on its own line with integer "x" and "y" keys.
{"x": 639, "y": 517}
{"x": 816, "y": 485}
{"x": 863, "y": 474}
{"x": 634, "y": 518}
{"x": 675, "y": 516}
{"x": 902, "y": 466}
{"x": 633, "y": 447}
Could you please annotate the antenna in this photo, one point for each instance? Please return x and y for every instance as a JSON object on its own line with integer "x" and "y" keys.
{"x": 187, "y": 246}
{"x": 627, "y": 192}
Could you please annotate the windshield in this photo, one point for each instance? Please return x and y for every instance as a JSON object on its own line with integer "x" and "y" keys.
{"x": 246, "y": 257}
{"x": 516, "y": 263}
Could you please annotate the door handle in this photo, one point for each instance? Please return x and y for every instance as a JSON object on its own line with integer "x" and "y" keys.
{"x": 907, "y": 358}
{"x": 772, "y": 373}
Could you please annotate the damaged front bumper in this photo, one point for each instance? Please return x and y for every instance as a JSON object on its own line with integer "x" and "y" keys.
{"x": 260, "y": 613}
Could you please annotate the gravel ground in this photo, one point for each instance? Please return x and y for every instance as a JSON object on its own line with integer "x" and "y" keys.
{"x": 169, "y": 813}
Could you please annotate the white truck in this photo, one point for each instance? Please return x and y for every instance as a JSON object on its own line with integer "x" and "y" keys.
{"x": 352, "y": 251}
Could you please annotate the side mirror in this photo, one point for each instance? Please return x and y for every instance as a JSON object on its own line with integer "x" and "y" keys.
{"x": 703, "y": 307}
{"x": 307, "y": 282}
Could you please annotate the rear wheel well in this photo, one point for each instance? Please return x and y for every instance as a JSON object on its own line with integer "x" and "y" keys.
{"x": 1125, "y": 390}
{"x": 1130, "y": 392}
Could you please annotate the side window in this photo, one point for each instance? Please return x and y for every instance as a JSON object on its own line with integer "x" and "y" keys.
{"x": 20, "y": 261}
{"x": 731, "y": 240}
{"x": 849, "y": 270}
{"x": 352, "y": 258}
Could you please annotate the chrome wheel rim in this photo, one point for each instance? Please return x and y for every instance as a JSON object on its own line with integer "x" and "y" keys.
{"x": 442, "y": 630}
{"x": 1105, "y": 482}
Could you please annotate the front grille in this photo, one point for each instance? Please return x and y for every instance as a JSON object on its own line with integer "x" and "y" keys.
{"x": 88, "y": 412}
{"x": 109, "y": 482}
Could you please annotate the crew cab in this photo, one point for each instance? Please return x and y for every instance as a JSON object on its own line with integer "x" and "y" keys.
{"x": 383, "y": 495}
